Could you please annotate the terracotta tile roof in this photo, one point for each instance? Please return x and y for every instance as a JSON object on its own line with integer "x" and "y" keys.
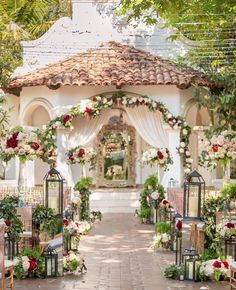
{"x": 111, "y": 64}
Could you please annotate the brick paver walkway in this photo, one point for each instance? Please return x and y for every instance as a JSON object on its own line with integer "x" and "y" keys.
{"x": 119, "y": 257}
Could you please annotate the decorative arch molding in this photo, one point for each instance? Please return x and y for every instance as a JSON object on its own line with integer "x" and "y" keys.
{"x": 31, "y": 106}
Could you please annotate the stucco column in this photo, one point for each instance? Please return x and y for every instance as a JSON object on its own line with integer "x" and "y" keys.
{"x": 175, "y": 170}
{"x": 62, "y": 147}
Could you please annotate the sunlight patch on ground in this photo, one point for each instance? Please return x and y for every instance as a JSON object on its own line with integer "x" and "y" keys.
{"x": 110, "y": 261}
{"x": 146, "y": 231}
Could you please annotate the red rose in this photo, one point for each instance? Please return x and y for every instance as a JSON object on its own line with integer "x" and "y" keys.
{"x": 178, "y": 225}
{"x": 94, "y": 99}
{"x": 165, "y": 202}
{"x": 35, "y": 146}
{"x": 143, "y": 102}
{"x": 33, "y": 264}
{"x": 217, "y": 264}
{"x": 65, "y": 223}
{"x": 7, "y": 223}
{"x": 12, "y": 143}
{"x": 230, "y": 225}
{"x": 81, "y": 152}
{"x": 88, "y": 112}
{"x": 226, "y": 264}
{"x": 65, "y": 254}
{"x": 66, "y": 118}
{"x": 215, "y": 148}
{"x": 160, "y": 155}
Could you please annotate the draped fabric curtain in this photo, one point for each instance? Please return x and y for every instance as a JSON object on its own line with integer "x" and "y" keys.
{"x": 86, "y": 130}
{"x": 149, "y": 126}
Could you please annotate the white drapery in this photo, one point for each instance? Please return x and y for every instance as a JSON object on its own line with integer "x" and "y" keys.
{"x": 86, "y": 131}
{"x": 149, "y": 125}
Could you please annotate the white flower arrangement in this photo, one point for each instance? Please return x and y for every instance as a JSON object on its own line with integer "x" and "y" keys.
{"x": 81, "y": 155}
{"x": 157, "y": 156}
{"x": 161, "y": 240}
{"x": 84, "y": 227}
{"x": 214, "y": 269}
{"x": 73, "y": 262}
{"x": 220, "y": 148}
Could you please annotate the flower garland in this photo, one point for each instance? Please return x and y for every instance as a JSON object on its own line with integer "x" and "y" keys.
{"x": 220, "y": 148}
{"x": 157, "y": 156}
{"x": 90, "y": 108}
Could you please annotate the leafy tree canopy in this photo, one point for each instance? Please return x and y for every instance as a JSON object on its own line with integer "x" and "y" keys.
{"x": 210, "y": 28}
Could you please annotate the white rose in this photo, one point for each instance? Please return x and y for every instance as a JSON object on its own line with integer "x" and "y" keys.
{"x": 21, "y": 151}
{"x": 181, "y": 150}
{"x": 154, "y": 104}
{"x": 169, "y": 116}
{"x": 182, "y": 144}
{"x": 134, "y": 100}
{"x": 185, "y": 132}
{"x": 98, "y": 98}
{"x": 187, "y": 153}
{"x": 124, "y": 102}
{"x": 104, "y": 101}
{"x": 155, "y": 195}
{"x": 189, "y": 160}
{"x": 58, "y": 123}
{"x": 187, "y": 170}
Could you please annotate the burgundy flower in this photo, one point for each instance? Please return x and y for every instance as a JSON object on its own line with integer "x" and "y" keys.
{"x": 81, "y": 152}
{"x": 35, "y": 146}
{"x": 215, "y": 148}
{"x": 33, "y": 264}
{"x": 7, "y": 222}
{"x": 66, "y": 118}
{"x": 65, "y": 223}
{"x": 71, "y": 157}
{"x": 77, "y": 224}
{"x": 65, "y": 254}
{"x": 12, "y": 143}
{"x": 230, "y": 225}
{"x": 217, "y": 264}
{"x": 160, "y": 155}
{"x": 226, "y": 264}
{"x": 94, "y": 99}
{"x": 165, "y": 202}
{"x": 178, "y": 225}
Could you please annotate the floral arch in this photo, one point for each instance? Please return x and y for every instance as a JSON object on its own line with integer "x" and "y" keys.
{"x": 92, "y": 107}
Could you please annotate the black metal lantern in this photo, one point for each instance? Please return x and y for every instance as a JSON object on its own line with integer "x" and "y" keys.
{"x": 230, "y": 247}
{"x": 191, "y": 261}
{"x": 194, "y": 194}
{"x": 53, "y": 191}
{"x": 51, "y": 262}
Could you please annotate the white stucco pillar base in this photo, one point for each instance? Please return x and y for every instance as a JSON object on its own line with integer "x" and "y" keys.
{"x": 175, "y": 170}
{"x": 62, "y": 147}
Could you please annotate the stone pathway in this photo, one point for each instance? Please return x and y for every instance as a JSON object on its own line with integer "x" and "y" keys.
{"x": 118, "y": 257}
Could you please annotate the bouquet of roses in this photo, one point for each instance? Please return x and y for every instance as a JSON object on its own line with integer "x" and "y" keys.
{"x": 29, "y": 263}
{"x": 73, "y": 262}
{"x": 226, "y": 229}
{"x": 157, "y": 156}
{"x": 81, "y": 155}
{"x": 20, "y": 142}
{"x": 84, "y": 227}
{"x": 70, "y": 227}
{"x": 220, "y": 148}
{"x": 214, "y": 269}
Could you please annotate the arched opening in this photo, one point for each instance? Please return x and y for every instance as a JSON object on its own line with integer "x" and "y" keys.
{"x": 37, "y": 117}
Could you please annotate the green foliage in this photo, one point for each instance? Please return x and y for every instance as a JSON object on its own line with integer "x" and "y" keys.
{"x": 229, "y": 190}
{"x": 144, "y": 213}
{"x": 211, "y": 24}
{"x": 8, "y": 212}
{"x": 83, "y": 187}
{"x": 173, "y": 272}
{"x": 84, "y": 184}
{"x": 163, "y": 227}
{"x": 210, "y": 207}
{"x": 209, "y": 254}
{"x": 24, "y": 20}
{"x": 46, "y": 218}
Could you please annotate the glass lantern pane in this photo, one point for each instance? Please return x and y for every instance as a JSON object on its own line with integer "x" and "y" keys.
{"x": 192, "y": 203}
{"x": 189, "y": 269}
{"x": 54, "y": 196}
{"x": 49, "y": 267}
